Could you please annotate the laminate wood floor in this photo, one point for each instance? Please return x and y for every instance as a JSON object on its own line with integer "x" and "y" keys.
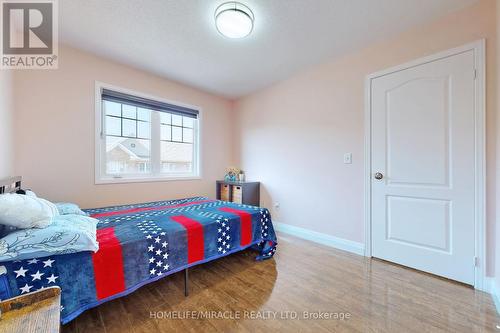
{"x": 303, "y": 279}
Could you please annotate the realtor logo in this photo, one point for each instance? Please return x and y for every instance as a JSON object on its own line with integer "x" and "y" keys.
{"x": 29, "y": 34}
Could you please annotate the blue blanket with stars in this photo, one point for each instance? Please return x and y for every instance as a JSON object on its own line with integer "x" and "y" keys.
{"x": 142, "y": 243}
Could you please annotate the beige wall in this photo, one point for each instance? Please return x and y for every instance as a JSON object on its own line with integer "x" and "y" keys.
{"x": 6, "y": 121}
{"x": 292, "y": 136}
{"x": 497, "y": 225}
{"x": 54, "y": 131}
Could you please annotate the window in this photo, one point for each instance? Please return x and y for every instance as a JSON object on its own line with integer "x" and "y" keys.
{"x": 140, "y": 138}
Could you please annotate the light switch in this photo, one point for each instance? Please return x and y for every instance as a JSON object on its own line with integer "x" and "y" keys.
{"x": 348, "y": 158}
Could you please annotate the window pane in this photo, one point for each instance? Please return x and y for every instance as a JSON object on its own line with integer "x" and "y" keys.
{"x": 165, "y": 118}
{"x": 166, "y": 133}
{"x": 127, "y": 156}
{"x": 176, "y": 157}
{"x": 176, "y": 133}
{"x": 113, "y": 126}
{"x": 143, "y": 114}
{"x": 129, "y": 128}
{"x": 144, "y": 130}
{"x": 176, "y": 120}
{"x": 129, "y": 111}
{"x": 113, "y": 109}
{"x": 188, "y": 122}
{"x": 188, "y": 135}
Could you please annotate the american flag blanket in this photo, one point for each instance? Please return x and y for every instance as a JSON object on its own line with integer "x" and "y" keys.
{"x": 142, "y": 243}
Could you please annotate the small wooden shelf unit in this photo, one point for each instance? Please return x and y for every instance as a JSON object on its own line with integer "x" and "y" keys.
{"x": 247, "y": 193}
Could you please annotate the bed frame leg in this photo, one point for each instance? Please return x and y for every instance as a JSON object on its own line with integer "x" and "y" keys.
{"x": 186, "y": 287}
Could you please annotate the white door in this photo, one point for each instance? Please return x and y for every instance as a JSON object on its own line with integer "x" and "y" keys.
{"x": 423, "y": 149}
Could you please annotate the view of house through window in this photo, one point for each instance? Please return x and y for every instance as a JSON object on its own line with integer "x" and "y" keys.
{"x": 128, "y": 139}
{"x": 141, "y": 141}
{"x": 176, "y": 143}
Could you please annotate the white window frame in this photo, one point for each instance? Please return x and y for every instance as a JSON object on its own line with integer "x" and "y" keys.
{"x": 101, "y": 177}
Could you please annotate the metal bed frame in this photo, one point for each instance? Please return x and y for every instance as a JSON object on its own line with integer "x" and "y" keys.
{"x": 10, "y": 185}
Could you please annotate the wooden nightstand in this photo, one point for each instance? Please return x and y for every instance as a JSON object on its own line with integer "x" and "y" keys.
{"x": 247, "y": 193}
{"x": 36, "y": 312}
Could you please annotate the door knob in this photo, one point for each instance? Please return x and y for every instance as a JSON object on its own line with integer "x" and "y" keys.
{"x": 379, "y": 176}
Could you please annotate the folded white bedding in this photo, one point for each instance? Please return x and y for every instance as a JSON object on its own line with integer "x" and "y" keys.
{"x": 67, "y": 234}
{"x": 23, "y": 212}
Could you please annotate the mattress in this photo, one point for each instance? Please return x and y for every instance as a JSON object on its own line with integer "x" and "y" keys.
{"x": 140, "y": 244}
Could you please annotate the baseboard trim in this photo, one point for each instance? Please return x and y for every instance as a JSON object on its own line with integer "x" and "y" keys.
{"x": 324, "y": 239}
{"x": 492, "y": 288}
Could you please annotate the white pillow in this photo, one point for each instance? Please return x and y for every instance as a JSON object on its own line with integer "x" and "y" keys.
{"x": 30, "y": 193}
{"x": 24, "y": 212}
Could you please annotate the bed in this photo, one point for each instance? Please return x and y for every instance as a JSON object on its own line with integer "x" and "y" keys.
{"x": 140, "y": 244}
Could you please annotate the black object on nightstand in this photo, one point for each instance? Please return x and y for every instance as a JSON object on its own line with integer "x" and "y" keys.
{"x": 247, "y": 193}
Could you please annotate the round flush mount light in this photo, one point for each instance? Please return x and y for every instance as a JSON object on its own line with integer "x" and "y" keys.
{"x": 234, "y": 20}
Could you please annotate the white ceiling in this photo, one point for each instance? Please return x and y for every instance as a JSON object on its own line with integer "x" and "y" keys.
{"x": 177, "y": 39}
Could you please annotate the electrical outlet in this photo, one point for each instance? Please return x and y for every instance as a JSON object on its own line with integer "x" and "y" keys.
{"x": 348, "y": 158}
{"x": 277, "y": 205}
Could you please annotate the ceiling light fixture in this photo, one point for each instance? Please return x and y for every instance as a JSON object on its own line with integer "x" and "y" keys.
{"x": 234, "y": 20}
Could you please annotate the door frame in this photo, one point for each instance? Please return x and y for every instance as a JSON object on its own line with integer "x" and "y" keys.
{"x": 480, "y": 150}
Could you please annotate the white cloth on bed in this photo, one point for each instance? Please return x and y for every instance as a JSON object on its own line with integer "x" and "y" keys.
{"x": 23, "y": 212}
{"x": 67, "y": 234}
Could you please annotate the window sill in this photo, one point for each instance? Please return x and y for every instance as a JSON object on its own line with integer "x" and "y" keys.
{"x": 125, "y": 180}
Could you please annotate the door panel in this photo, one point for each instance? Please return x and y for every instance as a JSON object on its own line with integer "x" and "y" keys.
{"x": 429, "y": 214}
{"x": 405, "y": 124}
{"x": 423, "y": 144}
